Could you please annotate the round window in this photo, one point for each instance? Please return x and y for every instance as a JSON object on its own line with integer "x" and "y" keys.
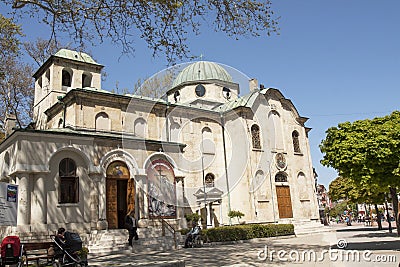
{"x": 200, "y": 90}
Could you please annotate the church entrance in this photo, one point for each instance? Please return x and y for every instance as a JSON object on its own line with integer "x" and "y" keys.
{"x": 120, "y": 194}
{"x": 284, "y": 202}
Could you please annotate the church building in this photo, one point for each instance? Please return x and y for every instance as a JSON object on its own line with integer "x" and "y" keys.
{"x": 91, "y": 156}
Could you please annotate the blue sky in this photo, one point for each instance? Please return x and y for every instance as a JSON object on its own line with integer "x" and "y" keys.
{"x": 336, "y": 60}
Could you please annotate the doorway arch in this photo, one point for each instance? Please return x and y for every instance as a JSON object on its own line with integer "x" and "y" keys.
{"x": 120, "y": 194}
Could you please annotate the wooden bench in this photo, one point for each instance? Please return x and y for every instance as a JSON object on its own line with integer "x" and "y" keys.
{"x": 36, "y": 251}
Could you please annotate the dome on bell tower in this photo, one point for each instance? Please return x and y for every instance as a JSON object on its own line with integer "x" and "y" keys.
{"x": 201, "y": 71}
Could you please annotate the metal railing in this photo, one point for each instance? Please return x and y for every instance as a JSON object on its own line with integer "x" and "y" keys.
{"x": 167, "y": 226}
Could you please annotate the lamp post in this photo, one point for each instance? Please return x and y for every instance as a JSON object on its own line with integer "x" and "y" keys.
{"x": 204, "y": 181}
{"x": 272, "y": 191}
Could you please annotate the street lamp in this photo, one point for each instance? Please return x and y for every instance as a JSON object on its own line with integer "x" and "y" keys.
{"x": 272, "y": 191}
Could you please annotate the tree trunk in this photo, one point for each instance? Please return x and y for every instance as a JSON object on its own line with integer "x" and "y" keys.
{"x": 395, "y": 202}
{"x": 378, "y": 217}
{"x": 388, "y": 216}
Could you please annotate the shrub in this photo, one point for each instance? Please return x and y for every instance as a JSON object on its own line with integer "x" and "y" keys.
{"x": 184, "y": 231}
{"x": 192, "y": 217}
{"x": 248, "y": 231}
{"x": 235, "y": 213}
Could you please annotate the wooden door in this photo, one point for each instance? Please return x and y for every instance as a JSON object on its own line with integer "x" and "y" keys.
{"x": 284, "y": 202}
{"x": 120, "y": 194}
{"x": 130, "y": 195}
{"x": 111, "y": 203}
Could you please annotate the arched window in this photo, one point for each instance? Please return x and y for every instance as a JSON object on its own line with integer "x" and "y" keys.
{"x": 257, "y": 181}
{"x": 208, "y": 146}
{"x": 69, "y": 182}
{"x": 296, "y": 143}
{"x": 226, "y": 92}
{"x": 175, "y": 129}
{"x": 66, "y": 78}
{"x": 209, "y": 180}
{"x": 275, "y": 123}
{"x": 40, "y": 83}
{"x": 255, "y": 134}
{"x": 140, "y": 127}
{"x": 86, "y": 80}
{"x": 177, "y": 96}
{"x": 47, "y": 75}
{"x": 102, "y": 122}
{"x": 60, "y": 123}
{"x": 280, "y": 177}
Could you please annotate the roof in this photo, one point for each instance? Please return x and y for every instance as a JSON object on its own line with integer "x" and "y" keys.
{"x": 76, "y": 56}
{"x": 201, "y": 71}
{"x": 243, "y": 101}
{"x": 83, "y": 132}
{"x": 70, "y": 55}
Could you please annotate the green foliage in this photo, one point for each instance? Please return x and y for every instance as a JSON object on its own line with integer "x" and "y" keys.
{"x": 9, "y": 37}
{"x": 184, "y": 231}
{"x": 248, "y": 231}
{"x": 192, "y": 217}
{"x": 83, "y": 252}
{"x": 367, "y": 152}
{"x": 16, "y": 83}
{"x": 343, "y": 188}
{"x": 338, "y": 209}
{"x": 235, "y": 214}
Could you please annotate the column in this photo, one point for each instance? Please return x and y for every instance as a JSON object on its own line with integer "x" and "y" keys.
{"x": 94, "y": 201}
{"x": 39, "y": 200}
{"x": 24, "y": 206}
{"x": 180, "y": 206}
{"x": 100, "y": 183}
{"x": 208, "y": 215}
{"x": 143, "y": 203}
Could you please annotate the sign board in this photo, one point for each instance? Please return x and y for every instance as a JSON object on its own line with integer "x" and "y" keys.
{"x": 8, "y": 204}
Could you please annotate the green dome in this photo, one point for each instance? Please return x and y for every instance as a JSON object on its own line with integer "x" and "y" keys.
{"x": 200, "y": 71}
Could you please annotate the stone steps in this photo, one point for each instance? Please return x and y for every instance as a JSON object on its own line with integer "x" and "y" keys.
{"x": 309, "y": 227}
{"x": 150, "y": 239}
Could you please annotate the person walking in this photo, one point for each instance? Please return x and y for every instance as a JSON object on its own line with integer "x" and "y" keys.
{"x": 131, "y": 225}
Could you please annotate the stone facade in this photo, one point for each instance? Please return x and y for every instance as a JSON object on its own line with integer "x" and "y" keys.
{"x": 156, "y": 156}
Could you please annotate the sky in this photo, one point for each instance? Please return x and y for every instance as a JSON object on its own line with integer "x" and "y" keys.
{"x": 336, "y": 61}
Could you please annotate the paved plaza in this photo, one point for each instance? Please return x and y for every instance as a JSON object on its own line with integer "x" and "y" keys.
{"x": 341, "y": 245}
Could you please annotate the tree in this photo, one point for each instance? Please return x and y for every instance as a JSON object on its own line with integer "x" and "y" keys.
{"x": 156, "y": 86}
{"x": 338, "y": 209}
{"x": 16, "y": 83}
{"x": 235, "y": 213}
{"x": 16, "y": 91}
{"x": 343, "y": 188}
{"x": 164, "y": 25}
{"x": 9, "y": 41}
{"x": 192, "y": 217}
{"x": 367, "y": 152}
{"x": 41, "y": 49}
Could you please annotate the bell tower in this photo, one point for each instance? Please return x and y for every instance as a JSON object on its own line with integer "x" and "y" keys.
{"x": 62, "y": 72}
